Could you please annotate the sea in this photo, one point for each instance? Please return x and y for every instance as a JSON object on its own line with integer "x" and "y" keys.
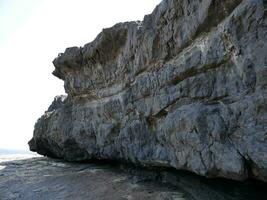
{"x": 15, "y": 154}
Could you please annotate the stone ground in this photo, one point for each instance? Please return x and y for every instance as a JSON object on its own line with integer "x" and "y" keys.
{"x": 27, "y": 177}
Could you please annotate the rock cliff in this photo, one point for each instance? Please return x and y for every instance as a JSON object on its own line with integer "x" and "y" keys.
{"x": 185, "y": 88}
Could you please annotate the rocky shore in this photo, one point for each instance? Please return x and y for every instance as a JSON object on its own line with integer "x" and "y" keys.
{"x": 42, "y": 178}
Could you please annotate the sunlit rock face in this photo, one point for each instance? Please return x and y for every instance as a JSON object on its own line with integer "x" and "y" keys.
{"x": 185, "y": 88}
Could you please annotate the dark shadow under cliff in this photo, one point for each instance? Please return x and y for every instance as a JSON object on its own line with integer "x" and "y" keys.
{"x": 45, "y": 178}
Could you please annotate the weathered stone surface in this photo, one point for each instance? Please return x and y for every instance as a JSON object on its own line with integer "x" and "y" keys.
{"x": 45, "y": 178}
{"x": 184, "y": 88}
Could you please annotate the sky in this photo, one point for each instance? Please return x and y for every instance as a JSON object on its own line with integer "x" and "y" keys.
{"x": 32, "y": 34}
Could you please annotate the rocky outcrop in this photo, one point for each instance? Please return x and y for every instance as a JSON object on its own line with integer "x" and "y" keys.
{"x": 185, "y": 88}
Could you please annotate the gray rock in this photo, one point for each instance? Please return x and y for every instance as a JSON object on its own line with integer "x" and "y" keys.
{"x": 44, "y": 178}
{"x": 184, "y": 88}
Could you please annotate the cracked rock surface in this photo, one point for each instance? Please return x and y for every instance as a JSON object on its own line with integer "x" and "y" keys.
{"x": 51, "y": 179}
{"x": 185, "y": 88}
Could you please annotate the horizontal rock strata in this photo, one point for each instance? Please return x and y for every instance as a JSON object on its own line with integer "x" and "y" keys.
{"x": 185, "y": 88}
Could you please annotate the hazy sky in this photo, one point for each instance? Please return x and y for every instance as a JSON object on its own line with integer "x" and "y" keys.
{"x": 32, "y": 33}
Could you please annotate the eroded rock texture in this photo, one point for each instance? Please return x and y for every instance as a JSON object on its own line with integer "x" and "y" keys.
{"x": 185, "y": 88}
{"x": 42, "y": 178}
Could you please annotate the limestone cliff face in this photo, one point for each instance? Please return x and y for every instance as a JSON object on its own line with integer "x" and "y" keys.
{"x": 185, "y": 88}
